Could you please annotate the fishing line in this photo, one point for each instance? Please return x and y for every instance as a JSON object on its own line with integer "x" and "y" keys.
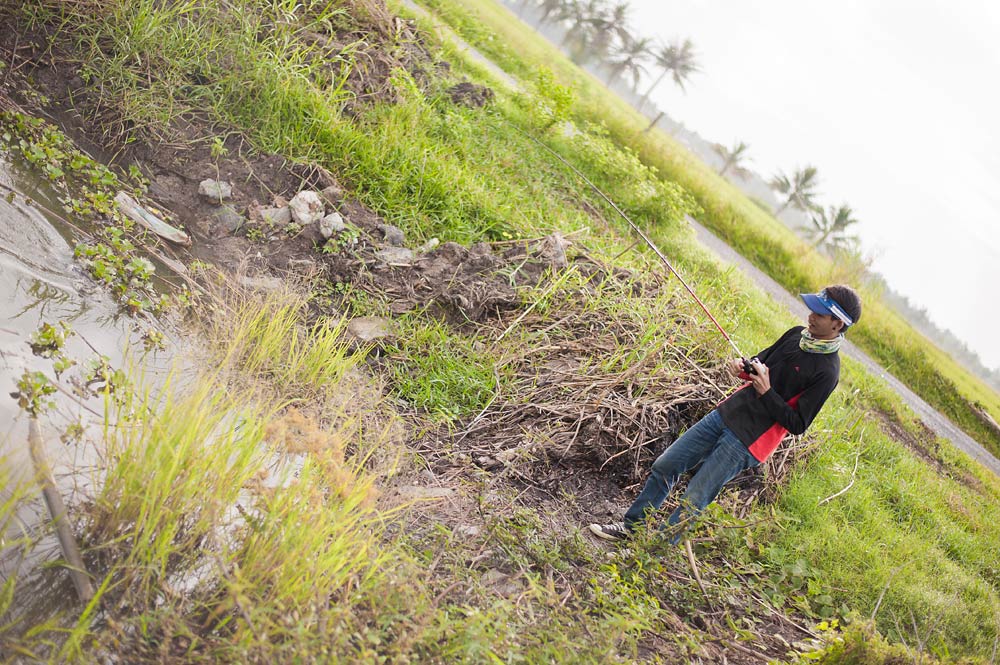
{"x": 639, "y": 231}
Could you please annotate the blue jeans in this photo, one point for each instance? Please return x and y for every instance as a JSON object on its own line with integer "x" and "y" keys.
{"x": 721, "y": 455}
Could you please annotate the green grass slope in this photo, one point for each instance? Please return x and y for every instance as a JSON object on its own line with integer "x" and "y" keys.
{"x": 883, "y": 333}
{"x": 910, "y": 543}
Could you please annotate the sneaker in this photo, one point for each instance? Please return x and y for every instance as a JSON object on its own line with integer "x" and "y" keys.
{"x": 614, "y": 531}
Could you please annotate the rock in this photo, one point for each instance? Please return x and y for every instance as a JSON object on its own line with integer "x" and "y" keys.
{"x": 332, "y": 223}
{"x": 417, "y": 492}
{"x": 302, "y": 265}
{"x": 467, "y": 530}
{"x": 488, "y": 462}
{"x": 366, "y": 329}
{"x": 226, "y": 221}
{"x": 332, "y": 195}
{"x": 215, "y": 191}
{"x": 392, "y": 235}
{"x": 307, "y": 208}
{"x": 502, "y": 583}
{"x": 279, "y": 201}
{"x": 470, "y": 94}
{"x": 261, "y": 282}
{"x": 493, "y": 576}
{"x": 507, "y": 457}
{"x": 396, "y": 256}
{"x": 553, "y": 251}
{"x": 276, "y": 216}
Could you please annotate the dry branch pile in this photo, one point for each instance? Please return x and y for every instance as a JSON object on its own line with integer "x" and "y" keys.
{"x": 596, "y": 391}
{"x": 568, "y": 408}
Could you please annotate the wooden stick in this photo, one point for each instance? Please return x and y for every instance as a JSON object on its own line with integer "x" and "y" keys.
{"x": 57, "y": 509}
{"x": 694, "y": 568}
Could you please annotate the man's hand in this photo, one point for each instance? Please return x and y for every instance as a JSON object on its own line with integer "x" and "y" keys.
{"x": 761, "y": 381}
{"x": 736, "y": 367}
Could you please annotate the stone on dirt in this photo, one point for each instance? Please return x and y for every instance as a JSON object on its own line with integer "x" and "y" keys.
{"x": 367, "y": 329}
{"x": 392, "y": 235}
{"x": 502, "y": 583}
{"x": 215, "y": 191}
{"x": 428, "y": 246}
{"x": 302, "y": 265}
{"x": 332, "y": 195}
{"x": 226, "y": 221}
{"x": 276, "y": 216}
{"x": 418, "y": 492}
{"x": 396, "y": 256}
{"x": 261, "y": 282}
{"x": 307, "y": 207}
{"x": 467, "y": 530}
{"x": 553, "y": 251}
{"x": 332, "y": 223}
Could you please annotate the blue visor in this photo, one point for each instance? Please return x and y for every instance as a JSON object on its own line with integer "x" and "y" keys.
{"x": 821, "y": 303}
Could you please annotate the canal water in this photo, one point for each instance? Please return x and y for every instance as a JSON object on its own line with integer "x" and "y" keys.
{"x": 41, "y": 282}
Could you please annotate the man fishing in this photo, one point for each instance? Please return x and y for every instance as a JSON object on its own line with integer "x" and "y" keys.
{"x": 785, "y": 386}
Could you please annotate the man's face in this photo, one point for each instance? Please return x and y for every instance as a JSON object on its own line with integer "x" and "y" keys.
{"x": 824, "y": 326}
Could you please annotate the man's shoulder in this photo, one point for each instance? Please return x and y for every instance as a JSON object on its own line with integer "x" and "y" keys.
{"x": 792, "y": 333}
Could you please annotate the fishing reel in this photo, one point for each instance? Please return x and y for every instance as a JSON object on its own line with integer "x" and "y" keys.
{"x": 747, "y": 367}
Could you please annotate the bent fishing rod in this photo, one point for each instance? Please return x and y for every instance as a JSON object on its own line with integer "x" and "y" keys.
{"x": 650, "y": 243}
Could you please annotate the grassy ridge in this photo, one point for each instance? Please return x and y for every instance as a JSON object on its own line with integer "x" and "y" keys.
{"x": 882, "y": 332}
{"x": 438, "y": 169}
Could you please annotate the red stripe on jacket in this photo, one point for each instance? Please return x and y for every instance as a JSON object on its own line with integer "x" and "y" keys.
{"x": 767, "y": 442}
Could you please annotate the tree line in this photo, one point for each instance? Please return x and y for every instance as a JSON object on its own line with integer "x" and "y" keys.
{"x": 830, "y": 229}
{"x": 599, "y": 32}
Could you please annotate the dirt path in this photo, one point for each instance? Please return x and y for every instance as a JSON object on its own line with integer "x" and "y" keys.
{"x": 937, "y": 422}
{"x": 465, "y": 47}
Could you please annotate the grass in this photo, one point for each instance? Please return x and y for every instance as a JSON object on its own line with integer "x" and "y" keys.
{"x": 753, "y": 232}
{"x": 203, "y": 504}
{"x": 311, "y": 570}
{"x": 441, "y": 373}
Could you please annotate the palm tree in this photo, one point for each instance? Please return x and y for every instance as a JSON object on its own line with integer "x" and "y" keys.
{"x": 550, "y": 7}
{"x": 678, "y": 60}
{"x": 800, "y": 189}
{"x": 579, "y": 15}
{"x": 829, "y": 228}
{"x": 609, "y": 26}
{"x": 732, "y": 158}
{"x": 629, "y": 58}
{"x": 586, "y": 38}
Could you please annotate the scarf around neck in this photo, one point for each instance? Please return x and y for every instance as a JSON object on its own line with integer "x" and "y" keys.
{"x": 810, "y": 344}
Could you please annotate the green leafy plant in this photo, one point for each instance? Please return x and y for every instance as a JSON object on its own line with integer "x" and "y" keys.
{"x": 117, "y": 264}
{"x": 49, "y": 340}
{"x": 33, "y": 392}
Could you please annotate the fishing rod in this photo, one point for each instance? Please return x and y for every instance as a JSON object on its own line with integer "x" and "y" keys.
{"x": 650, "y": 243}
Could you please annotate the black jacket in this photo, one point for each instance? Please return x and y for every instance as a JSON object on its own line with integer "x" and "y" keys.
{"x": 800, "y": 384}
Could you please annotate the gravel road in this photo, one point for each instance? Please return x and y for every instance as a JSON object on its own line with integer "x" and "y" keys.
{"x": 932, "y": 418}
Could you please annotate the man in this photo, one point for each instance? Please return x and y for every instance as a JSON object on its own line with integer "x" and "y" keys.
{"x": 786, "y": 386}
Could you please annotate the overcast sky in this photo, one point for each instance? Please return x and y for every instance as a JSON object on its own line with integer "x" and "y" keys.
{"x": 896, "y": 103}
